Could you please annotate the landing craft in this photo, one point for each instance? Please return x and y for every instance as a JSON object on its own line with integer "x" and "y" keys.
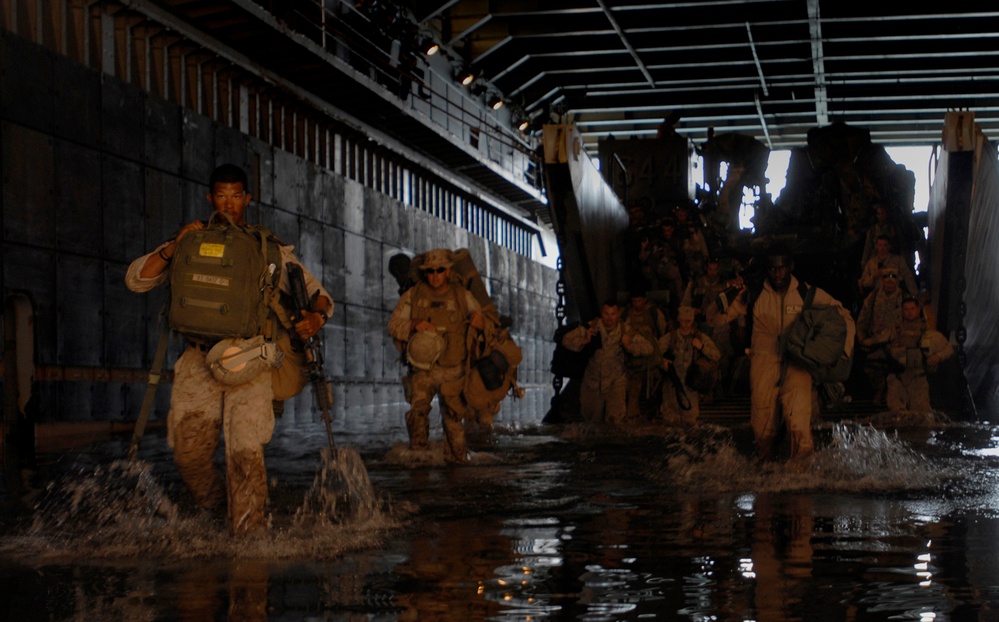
{"x": 822, "y": 216}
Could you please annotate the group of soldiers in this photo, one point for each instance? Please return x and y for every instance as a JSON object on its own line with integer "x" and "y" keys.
{"x": 898, "y": 342}
{"x": 645, "y": 362}
{"x": 706, "y": 316}
{"x": 228, "y": 381}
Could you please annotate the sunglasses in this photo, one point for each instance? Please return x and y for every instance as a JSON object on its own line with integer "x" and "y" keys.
{"x": 889, "y": 276}
{"x": 434, "y": 270}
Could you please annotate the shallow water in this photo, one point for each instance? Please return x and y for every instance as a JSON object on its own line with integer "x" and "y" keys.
{"x": 560, "y": 522}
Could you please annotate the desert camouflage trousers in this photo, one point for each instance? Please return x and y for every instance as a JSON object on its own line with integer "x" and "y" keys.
{"x": 672, "y": 411}
{"x": 200, "y": 408}
{"x": 604, "y": 402}
{"x": 909, "y": 392}
{"x": 447, "y": 384}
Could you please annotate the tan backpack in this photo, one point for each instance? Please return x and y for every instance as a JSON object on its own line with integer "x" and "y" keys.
{"x": 493, "y": 375}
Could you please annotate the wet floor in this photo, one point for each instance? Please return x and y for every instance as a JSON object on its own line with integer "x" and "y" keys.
{"x": 545, "y": 523}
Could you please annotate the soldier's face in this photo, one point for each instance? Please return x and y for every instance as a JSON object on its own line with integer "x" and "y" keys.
{"x": 610, "y": 315}
{"x": 231, "y": 199}
{"x": 437, "y": 277}
{"x": 779, "y": 276}
{"x": 910, "y": 310}
{"x": 881, "y": 247}
{"x": 889, "y": 282}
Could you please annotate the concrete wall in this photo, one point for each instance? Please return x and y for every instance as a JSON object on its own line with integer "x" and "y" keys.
{"x": 95, "y": 172}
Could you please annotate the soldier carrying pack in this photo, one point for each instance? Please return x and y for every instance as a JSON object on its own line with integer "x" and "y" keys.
{"x": 222, "y": 280}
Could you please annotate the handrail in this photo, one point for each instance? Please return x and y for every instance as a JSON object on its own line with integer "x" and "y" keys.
{"x": 627, "y": 180}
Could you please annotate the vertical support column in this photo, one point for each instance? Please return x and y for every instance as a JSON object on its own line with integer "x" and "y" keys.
{"x": 17, "y": 440}
{"x": 107, "y": 42}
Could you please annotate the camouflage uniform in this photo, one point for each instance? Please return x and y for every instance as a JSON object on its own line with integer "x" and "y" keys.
{"x": 876, "y": 322}
{"x": 450, "y": 312}
{"x": 603, "y": 394}
{"x": 652, "y": 324}
{"x": 667, "y": 254}
{"x": 870, "y": 279}
{"x": 695, "y": 253}
{"x": 877, "y": 229}
{"x": 201, "y": 407}
{"x": 682, "y": 349}
{"x": 912, "y": 343}
{"x": 702, "y": 294}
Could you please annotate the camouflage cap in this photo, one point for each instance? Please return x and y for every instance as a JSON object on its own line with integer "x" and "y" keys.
{"x": 437, "y": 258}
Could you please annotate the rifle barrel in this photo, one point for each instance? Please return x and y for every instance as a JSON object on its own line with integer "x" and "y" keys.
{"x": 313, "y": 351}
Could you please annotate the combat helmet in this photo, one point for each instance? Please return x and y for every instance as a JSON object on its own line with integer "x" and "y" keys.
{"x": 424, "y": 349}
{"x": 237, "y": 361}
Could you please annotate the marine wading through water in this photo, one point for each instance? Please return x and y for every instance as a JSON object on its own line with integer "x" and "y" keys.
{"x": 492, "y": 356}
{"x": 224, "y": 293}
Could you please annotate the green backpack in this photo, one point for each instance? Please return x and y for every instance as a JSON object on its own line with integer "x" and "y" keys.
{"x": 816, "y": 342}
{"x": 221, "y": 280}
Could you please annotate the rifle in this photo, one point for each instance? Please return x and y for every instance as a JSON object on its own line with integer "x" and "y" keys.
{"x": 312, "y": 347}
{"x": 682, "y": 399}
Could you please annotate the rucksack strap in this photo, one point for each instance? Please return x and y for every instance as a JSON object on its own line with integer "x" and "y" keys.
{"x": 263, "y": 234}
{"x": 807, "y": 294}
{"x": 155, "y": 375}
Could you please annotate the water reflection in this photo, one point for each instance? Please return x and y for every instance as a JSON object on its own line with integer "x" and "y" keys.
{"x": 544, "y": 524}
{"x": 781, "y": 554}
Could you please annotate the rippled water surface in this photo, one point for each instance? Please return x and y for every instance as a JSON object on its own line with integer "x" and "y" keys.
{"x": 545, "y": 523}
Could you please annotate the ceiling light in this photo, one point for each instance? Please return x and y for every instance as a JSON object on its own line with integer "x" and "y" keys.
{"x": 495, "y": 103}
{"x": 466, "y": 78}
{"x": 523, "y": 125}
{"x": 430, "y": 47}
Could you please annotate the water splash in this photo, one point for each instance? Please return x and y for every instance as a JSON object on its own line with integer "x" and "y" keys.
{"x": 120, "y": 510}
{"x": 861, "y": 457}
{"x": 341, "y": 490}
{"x": 118, "y": 497}
{"x": 857, "y": 458}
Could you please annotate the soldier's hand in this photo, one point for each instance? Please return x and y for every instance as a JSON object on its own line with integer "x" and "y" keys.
{"x": 697, "y": 343}
{"x": 159, "y": 261}
{"x": 189, "y": 227}
{"x": 424, "y": 325}
{"x": 166, "y": 253}
{"x": 477, "y": 320}
{"x": 309, "y": 325}
{"x": 626, "y": 341}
